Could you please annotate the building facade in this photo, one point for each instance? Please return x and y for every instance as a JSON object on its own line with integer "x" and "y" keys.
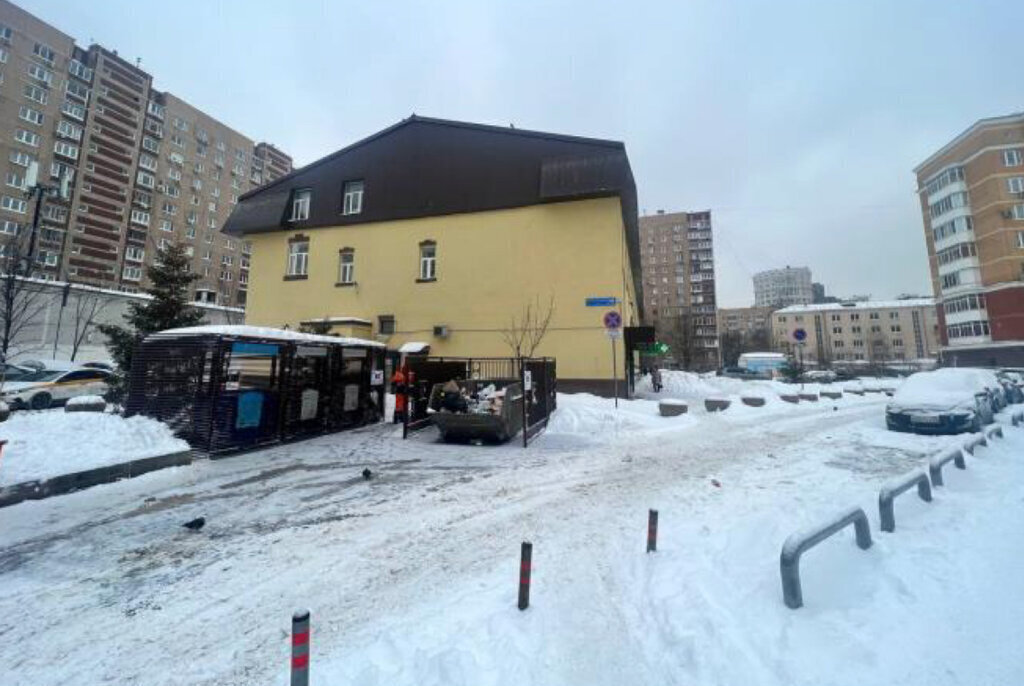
{"x": 677, "y": 267}
{"x": 783, "y": 287}
{"x": 972, "y": 202}
{"x": 744, "y": 320}
{"x": 442, "y": 233}
{"x": 143, "y": 166}
{"x": 868, "y": 332}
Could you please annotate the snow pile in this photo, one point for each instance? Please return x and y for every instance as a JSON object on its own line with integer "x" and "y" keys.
{"x": 86, "y": 400}
{"x": 42, "y": 445}
{"x": 590, "y": 418}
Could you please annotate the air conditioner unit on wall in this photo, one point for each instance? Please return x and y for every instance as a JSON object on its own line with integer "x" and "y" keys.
{"x": 440, "y": 331}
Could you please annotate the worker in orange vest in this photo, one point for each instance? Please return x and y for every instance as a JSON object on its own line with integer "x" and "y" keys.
{"x": 399, "y": 388}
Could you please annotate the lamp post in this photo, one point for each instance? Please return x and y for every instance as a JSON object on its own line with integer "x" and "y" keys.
{"x": 39, "y": 191}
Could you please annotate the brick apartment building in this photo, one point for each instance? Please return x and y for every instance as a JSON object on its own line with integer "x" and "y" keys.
{"x": 678, "y": 273}
{"x": 972, "y": 202}
{"x": 145, "y": 167}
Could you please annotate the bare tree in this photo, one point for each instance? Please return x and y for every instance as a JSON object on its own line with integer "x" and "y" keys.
{"x": 525, "y": 333}
{"x": 22, "y": 300}
{"x": 89, "y": 305}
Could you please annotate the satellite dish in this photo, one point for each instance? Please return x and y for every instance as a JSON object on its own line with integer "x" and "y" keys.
{"x": 32, "y": 175}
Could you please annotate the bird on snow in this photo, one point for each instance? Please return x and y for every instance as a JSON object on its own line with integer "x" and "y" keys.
{"x": 367, "y": 474}
{"x": 195, "y": 524}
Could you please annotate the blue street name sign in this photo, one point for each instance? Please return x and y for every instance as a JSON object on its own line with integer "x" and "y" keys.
{"x": 602, "y": 302}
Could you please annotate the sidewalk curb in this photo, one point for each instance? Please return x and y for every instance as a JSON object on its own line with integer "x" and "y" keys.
{"x": 66, "y": 483}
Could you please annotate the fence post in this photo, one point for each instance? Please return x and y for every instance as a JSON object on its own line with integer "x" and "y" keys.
{"x": 300, "y": 648}
{"x": 526, "y": 416}
{"x": 652, "y": 531}
{"x": 525, "y": 562}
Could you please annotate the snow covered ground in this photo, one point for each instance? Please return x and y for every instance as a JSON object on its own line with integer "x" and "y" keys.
{"x": 411, "y": 576}
{"x": 53, "y": 442}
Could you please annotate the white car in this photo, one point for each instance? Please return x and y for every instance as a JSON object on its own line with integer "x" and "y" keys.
{"x": 42, "y": 389}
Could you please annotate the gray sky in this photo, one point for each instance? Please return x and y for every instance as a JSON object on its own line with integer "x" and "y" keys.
{"x": 797, "y": 123}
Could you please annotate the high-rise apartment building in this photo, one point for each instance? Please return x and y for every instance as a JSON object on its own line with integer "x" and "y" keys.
{"x": 972, "y": 201}
{"x": 678, "y": 273}
{"x": 783, "y": 287}
{"x": 144, "y": 166}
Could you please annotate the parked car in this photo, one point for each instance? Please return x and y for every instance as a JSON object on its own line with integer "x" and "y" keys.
{"x": 740, "y": 373}
{"x": 106, "y": 366}
{"x": 1013, "y": 383}
{"x": 15, "y": 372}
{"x": 944, "y": 401}
{"x": 46, "y": 387}
{"x": 994, "y": 386}
{"x": 820, "y": 376}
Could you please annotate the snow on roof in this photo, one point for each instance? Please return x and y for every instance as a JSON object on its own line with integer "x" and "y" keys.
{"x": 337, "y": 320}
{"x": 261, "y": 332}
{"x": 413, "y": 347}
{"x": 50, "y": 365}
{"x": 859, "y": 305}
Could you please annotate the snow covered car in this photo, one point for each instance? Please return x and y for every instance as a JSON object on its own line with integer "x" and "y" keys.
{"x": 944, "y": 401}
{"x": 15, "y": 372}
{"x": 42, "y": 389}
{"x": 1013, "y": 383}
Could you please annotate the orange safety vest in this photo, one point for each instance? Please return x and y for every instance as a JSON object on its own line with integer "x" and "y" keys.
{"x": 398, "y": 386}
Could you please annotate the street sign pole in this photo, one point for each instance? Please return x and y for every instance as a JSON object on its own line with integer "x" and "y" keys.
{"x": 615, "y": 375}
{"x": 612, "y": 321}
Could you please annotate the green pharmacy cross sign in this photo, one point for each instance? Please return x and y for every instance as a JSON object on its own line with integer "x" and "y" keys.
{"x": 653, "y": 348}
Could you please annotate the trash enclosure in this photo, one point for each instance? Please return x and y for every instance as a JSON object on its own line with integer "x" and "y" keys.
{"x": 224, "y": 388}
{"x": 480, "y": 399}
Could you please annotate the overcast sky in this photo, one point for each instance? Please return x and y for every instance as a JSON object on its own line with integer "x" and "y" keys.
{"x": 797, "y": 123}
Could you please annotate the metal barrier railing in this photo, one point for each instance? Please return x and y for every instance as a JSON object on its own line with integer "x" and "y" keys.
{"x": 888, "y": 493}
{"x": 799, "y": 543}
{"x": 935, "y": 465}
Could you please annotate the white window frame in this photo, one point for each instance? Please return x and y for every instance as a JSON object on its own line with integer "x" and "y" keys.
{"x": 298, "y": 258}
{"x": 27, "y": 137}
{"x": 32, "y": 116}
{"x": 1013, "y": 158}
{"x": 428, "y": 261}
{"x": 1015, "y": 184}
{"x": 40, "y": 74}
{"x": 36, "y": 94}
{"x": 300, "y": 205}
{"x": 347, "y": 266}
{"x": 352, "y": 197}
{"x": 66, "y": 149}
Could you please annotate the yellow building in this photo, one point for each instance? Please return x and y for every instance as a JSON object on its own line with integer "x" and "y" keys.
{"x": 443, "y": 233}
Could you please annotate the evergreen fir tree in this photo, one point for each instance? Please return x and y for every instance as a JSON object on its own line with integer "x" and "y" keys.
{"x": 169, "y": 308}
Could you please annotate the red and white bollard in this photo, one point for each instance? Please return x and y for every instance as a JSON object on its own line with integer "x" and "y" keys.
{"x": 526, "y": 560}
{"x": 300, "y": 648}
{"x": 652, "y": 531}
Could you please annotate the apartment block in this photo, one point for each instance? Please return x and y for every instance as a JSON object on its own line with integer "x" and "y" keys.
{"x": 783, "y": 287}
{"x": 678, "y": 274}
{"x": 144, "y": 166}
{"x": 744, "y": 320}
{"x": 871, "y": 332}
{"x": 972, "y": 203}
